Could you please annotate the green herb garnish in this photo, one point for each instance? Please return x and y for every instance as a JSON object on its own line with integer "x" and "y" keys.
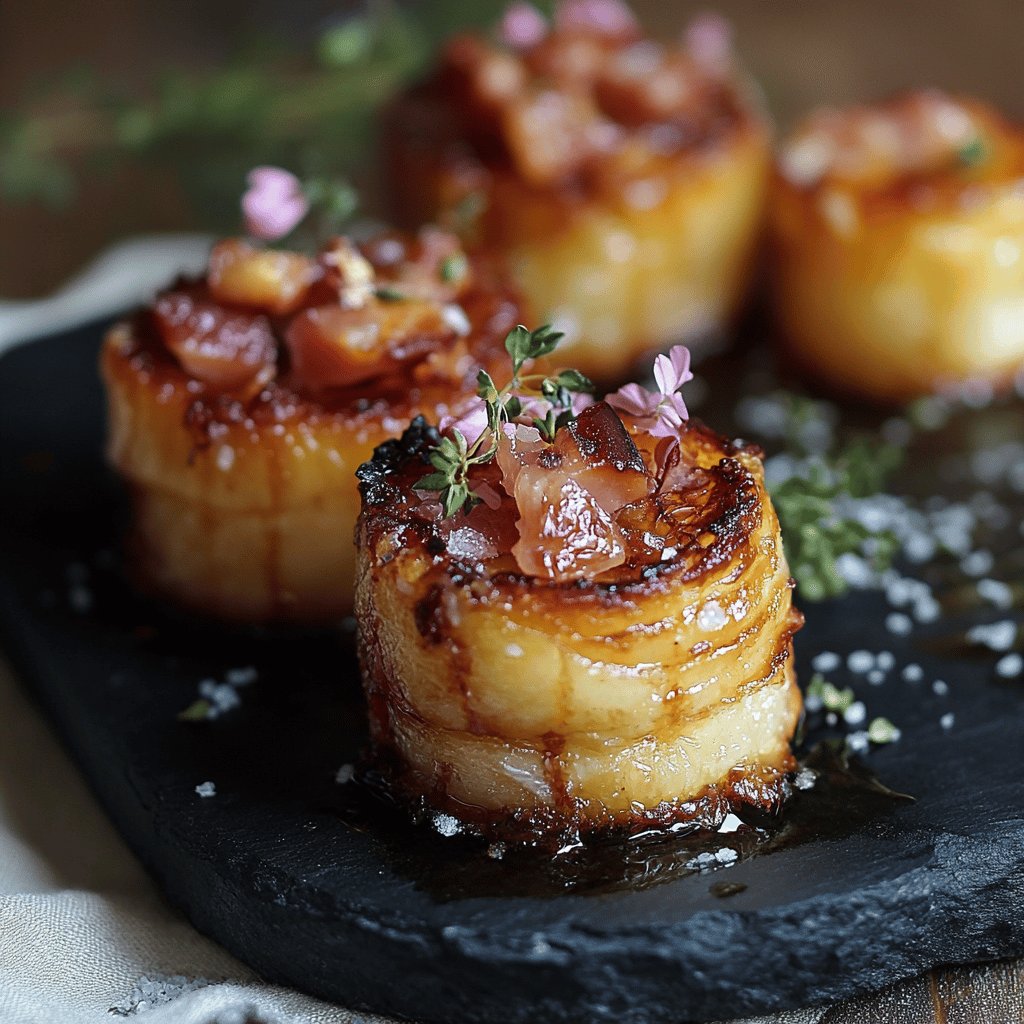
{"x": 453, "y": 457}
{"x": 881, "y": 730}
{"x": 831, "y": 697}
{"x": 197, "y": 711}
{"x": 454, "y": 268}
{"x": 816, "y": 535}
{"x": 973, "y": 153}
{"x": 387, "y": 293}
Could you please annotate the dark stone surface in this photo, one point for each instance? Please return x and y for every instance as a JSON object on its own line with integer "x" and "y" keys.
{"x": 281, "y": 869}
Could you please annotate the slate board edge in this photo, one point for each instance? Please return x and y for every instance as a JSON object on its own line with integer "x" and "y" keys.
{"x": 220, "y": 906}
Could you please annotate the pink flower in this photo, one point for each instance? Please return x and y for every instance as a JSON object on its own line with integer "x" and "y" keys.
{"x": 635, "y": 400}
{"x": 664, "y": 409}
{"x": 709, "y": 39}
{"x": 522, "y": 26}
{"x": 671, "y": 372}
{"x": 608, "y": 17}
{"x": 471, "y": 423}
{"x": 273, "y": 203}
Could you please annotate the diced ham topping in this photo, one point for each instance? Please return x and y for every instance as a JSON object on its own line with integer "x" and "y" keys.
{"x": 564, "y": 533}
{"x": 567, "y": 493}
{"x": 227, "y": 350}
{"x": 553, "y": 105}
{"x": 266, "y": 279}
{"x": 334, "y": 347}
{"x": 914, "y": 134}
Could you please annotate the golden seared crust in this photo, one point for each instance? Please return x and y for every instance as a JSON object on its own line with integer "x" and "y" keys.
{"x": 641, "y": 233}
{"x": 896, "y": 269}
{"x": 245, "y": 503}
{"x": 645, "y": 694}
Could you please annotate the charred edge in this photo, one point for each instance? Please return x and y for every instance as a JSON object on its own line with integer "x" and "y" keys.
{"x": 375, "y": 476}
{"x": 431, "y": 621}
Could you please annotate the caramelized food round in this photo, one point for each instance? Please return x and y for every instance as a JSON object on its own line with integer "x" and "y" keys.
{"x": 623, "y": 179}
{"x": 897, "y": 240}
{"x": 241, "y": 405}
{"x": 613, "y": 652}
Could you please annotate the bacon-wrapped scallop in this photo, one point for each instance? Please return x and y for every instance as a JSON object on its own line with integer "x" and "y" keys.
{"x": 603, "y": 639}
{"x": 241, "y": 404}
{"x": 898, "y": 245}
{"x": 623, "y": 179}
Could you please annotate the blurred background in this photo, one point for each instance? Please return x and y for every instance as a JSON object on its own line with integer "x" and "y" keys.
{"x": 126, "y": 116}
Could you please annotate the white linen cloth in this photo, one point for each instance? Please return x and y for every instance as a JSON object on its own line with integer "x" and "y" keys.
{"x": 84, "y": 935}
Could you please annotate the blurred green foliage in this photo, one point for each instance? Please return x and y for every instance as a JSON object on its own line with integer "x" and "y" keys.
{"x": 312, "y": 112}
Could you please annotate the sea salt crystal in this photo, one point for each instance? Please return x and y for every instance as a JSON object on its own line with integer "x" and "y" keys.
{"x": 826, "y": 661}
{"x": 977, "y": 563}
{"x": 206, "y": 789}
{"x": 858, "y": 742}
{"x": 496, "y": 851}
{"x": 947, "y": 720}
{"x": 940, "y": 688}
{"x": 730, "y": 823}
{"x": 346, "y": 773}
{"x": 927, "y": 609}
{"x": 727, "y": 856}
{"x": 221, "y": 697}
{"x": 805, "y": 779}
{"x": 919, "y": 548}
{"x": 446, "y": 824}
{"x": 885, "y": 660}
{"x": 225, "y": 457}
{"x": 996, "y": 636}
{"x": 1010, "y": 666}
{"x": 876, "y": 677}
{"x": 860, "y": 662}
{"x": 856, "y": 713}
{"x": 913, "y": 673}
{"x": 855, "y": 570}
{"x": 996, "y": 592}
{"x": 702, "y": 862}
{"x": 899, "y": 624}
{"x": 711, "y": 617}
{"x": 241, "y": 676}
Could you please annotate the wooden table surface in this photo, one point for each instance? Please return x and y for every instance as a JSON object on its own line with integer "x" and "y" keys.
{"x": 805, "y": 52}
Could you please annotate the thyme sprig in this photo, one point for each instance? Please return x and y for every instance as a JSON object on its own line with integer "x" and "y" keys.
{"x": 813, "y": 497}
{"x": 455, "y": 455}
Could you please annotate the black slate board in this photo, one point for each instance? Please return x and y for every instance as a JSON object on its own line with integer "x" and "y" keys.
{"x": 401, "y": 921}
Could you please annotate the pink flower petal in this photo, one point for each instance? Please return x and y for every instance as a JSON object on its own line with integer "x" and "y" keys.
{"x": 522, "y": 26}
{"x": 274, "y": 202}
{"x": 672, "y": 371}
{"x": 709, "y": 39}
{"x": 608, "y": 17}
{"x": 471, "y": 423}
{"x": 675, "y": 408}
{"x": 634, "y": 400}
{"x": 663, "y": 428}
{"x": 273, "y": 180}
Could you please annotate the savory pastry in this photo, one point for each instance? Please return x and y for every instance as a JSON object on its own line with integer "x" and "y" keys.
{"x": 240, "y": 406}
{"x": 898, "y": 232}
{"x": 577, "y": 620}
{"x": 623, "y": 179}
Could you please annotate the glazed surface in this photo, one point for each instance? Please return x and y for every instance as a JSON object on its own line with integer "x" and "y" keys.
{"x": 660, "y": 689}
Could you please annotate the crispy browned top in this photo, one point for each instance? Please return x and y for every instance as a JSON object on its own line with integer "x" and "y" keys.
{"x": 678, "y": 533}
{"x": 431, "y": 337}
{"x": 577, "y": 113}
{"x": 920, "y": 149}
